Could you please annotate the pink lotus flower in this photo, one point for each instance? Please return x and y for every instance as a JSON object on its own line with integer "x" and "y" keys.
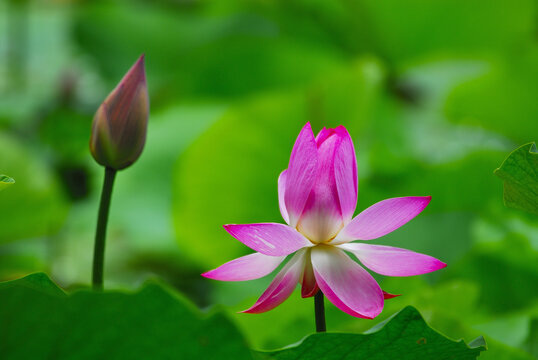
{"x": 318, "y": 195}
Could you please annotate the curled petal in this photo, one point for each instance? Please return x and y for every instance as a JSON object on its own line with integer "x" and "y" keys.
{"x": 249, "y": 267}
{"x": 281, "y": 287}
{"x": 382, "y": 218}
{"x": 269, "y": 238}
{"x": 387, "y": 295}
{"x": 345, "y": 283}
{"x": 308, "y": 281}
{"x": 345, "y": 171}
{"x": 301, "y": 173}
{"x": 323, "y": 135}
{"x": 281, "y": 192}
{"x": 393, "y": 261}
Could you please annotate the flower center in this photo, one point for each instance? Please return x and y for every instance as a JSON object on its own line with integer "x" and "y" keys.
{"x": 316, "y": 240}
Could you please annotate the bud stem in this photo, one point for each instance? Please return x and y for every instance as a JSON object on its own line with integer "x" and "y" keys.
{"x": 100, "y": 233}
{"x": 319, "y": 307}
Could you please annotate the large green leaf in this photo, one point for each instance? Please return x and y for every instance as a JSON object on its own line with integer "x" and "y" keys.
{"x": 405, "y": 336}
{"x": 520, "y": 174}
{"x": 5, "y": 181}
{"x": 39, "y": 321}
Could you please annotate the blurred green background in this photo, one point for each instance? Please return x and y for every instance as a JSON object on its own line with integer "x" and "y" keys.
{"x": 434, "y": 94}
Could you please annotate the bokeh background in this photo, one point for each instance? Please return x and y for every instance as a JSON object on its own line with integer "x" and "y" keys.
{"x": 434, "y": 93}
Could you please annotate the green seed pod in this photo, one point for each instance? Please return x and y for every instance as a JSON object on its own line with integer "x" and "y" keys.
{"x": 120, "y": 124}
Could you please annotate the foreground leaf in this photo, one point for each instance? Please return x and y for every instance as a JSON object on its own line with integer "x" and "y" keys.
{"x": 520, "y": 174}
{"x": 5, "y": 181}
{"x": 39, "y": 321}
{"x": 405, "y": 336}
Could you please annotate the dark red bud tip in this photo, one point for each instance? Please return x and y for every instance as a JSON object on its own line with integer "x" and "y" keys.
{"x": 120, "y": 123}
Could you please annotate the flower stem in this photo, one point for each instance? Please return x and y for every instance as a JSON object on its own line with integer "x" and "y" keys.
{"x": 100, "y": 233}
{"x": 320, "y": 312}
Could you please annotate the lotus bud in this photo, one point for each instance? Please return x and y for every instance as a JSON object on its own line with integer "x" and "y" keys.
{"x": 119, "y": 125}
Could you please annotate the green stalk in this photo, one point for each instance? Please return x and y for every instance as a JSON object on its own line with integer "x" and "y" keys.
{"x": 100, "y": 233}
{"x": 320, "y": 312}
